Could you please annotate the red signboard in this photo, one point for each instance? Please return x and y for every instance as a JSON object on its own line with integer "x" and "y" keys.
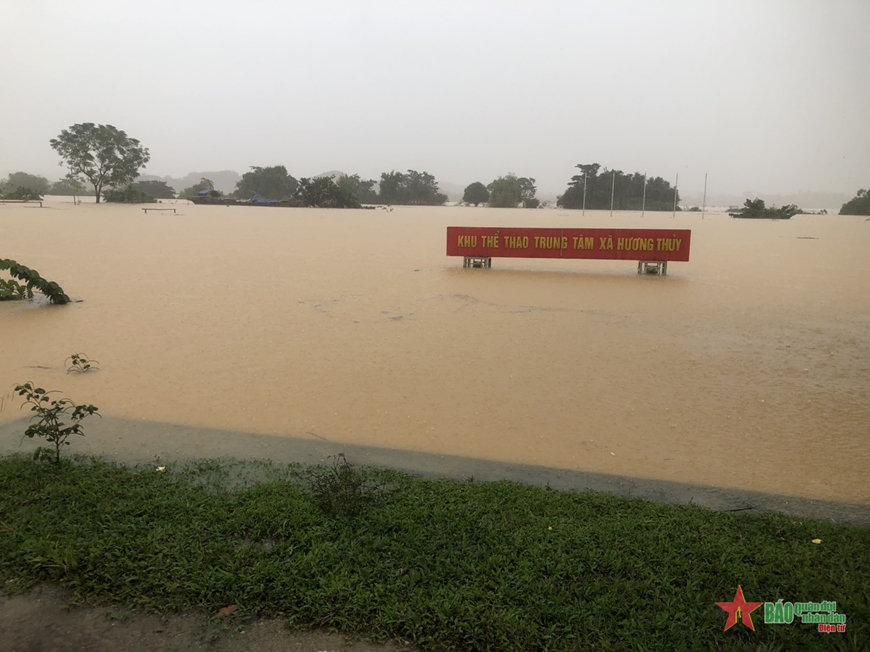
{"x": 601, "y": 244}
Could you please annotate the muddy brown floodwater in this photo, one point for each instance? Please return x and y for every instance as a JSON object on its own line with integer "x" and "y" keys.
{"x": 747, "y": 368}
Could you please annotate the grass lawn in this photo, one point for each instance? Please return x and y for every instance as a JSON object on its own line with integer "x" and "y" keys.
{"x": 446, "y": 565}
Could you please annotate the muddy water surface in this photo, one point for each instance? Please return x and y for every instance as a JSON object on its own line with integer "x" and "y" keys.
{"x": 748, "y": 367}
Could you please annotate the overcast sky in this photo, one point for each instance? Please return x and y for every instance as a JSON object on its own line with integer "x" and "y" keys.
{"x": 764, "y": 95}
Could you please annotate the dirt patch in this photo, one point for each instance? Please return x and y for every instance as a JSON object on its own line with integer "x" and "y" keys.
{"x": 42, "y": 621}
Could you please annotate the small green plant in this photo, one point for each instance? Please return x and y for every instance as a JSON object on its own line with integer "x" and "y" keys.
{"x": 343, "y": 489}
{"x": 56, "y": 419}
{"x": 80, "y": 363}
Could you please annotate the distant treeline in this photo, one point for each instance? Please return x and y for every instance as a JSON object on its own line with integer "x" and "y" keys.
{"x": 347, "y": 191}
{"x": 344, "y": 190}
{"x": 626, "y": 189}
{"x": 399, "y": 188}
{"x": 393, "y": 188}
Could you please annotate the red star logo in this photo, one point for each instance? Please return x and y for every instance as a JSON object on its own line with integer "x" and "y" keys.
{"x": 739, "y": 608}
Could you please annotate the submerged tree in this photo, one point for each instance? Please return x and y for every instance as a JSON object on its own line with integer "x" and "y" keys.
{"x": 39, "y": 185}
{"x": 475, "y": 193}
{"x": 30, "y": 280}
{"x": 510, "y": 191}
{"x": 156, "y": 189}
{"x": 271, "y": 182}
{"x": 323, "y": 192}
{"x": 20, "y": 193}
{"x": 627, "y": 190}
{"x": 755, "y": 209}
{"x": 362, "y": 189}
{"x": 102, "y": 154}
{"x": 858, "y": 205}
{"x": 131, "y": 194}
{"x": 419, "y": 188}
{"x": 504, "y": 192}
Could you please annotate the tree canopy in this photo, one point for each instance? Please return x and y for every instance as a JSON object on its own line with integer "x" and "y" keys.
{"x": 475, "y": 193}
{"x": 271, "y": 182}
{"x": 102, "y": 154}
{"x": 323, "y": 192}
{"x": 510, "y": 191}
{"x": 414, "y": 188}
{"x": 858, "y": 205}
{"x": 628, "y": 191}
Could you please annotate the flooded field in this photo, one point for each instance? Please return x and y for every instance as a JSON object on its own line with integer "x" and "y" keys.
{"x": 748, "y": 367}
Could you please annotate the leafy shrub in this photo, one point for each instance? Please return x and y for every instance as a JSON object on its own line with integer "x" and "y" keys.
{"x": 56, "y": 420}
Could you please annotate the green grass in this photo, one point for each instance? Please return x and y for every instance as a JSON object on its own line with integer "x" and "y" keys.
{"x": 444, "y": 564}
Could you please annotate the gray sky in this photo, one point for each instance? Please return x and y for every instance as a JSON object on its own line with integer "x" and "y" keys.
{"x": 764, "y": 95}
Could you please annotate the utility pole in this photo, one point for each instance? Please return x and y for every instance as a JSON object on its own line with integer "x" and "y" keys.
{"x": 585, "y": 174}
{"x": 704, "y": 209}
{"x": 643, "y": 203}
{"x": 612, "y": 193}
{"x": 676, "y": 185}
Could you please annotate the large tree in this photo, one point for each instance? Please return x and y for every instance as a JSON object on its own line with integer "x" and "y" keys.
{"x": 858, "y": 205}
{"x": 102, "y": 154}
{"x": 475, "y": 193}
{"x": 272, "y": 182}
{"x": 510, "y": 191}
{"x": 504, "y": 192}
